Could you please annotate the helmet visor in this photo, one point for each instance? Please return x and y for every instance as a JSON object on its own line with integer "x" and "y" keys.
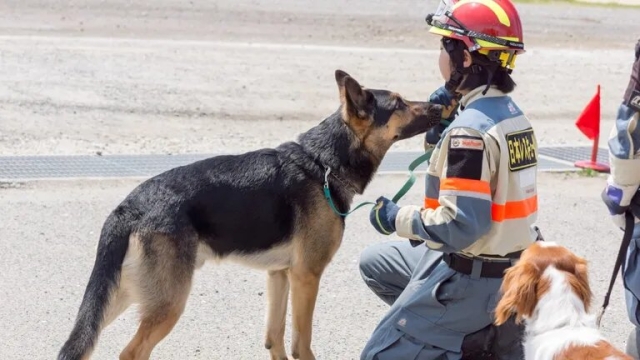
{"x": 444, "y": 8}
{"x": 443, "y": 18}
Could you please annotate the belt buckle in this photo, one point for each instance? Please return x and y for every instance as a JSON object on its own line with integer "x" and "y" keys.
{"x": 481, "y": 266}
{"x": 487, "y": 259}
{"x": 463, "y": 255}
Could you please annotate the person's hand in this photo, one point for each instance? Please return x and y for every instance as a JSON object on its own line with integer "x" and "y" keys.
{"x": 383, "y": 216}
{"x": 611, "y": 195}
{"x": 619, "y": 221}
{"x": 449, "y": 111}
{"x": 443, "y": 97}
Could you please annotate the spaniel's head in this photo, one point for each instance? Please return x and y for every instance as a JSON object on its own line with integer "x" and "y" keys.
{"x": 530, "y": 279}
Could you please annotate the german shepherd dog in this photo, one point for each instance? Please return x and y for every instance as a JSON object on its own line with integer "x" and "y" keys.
{"x": 264, "y": 209}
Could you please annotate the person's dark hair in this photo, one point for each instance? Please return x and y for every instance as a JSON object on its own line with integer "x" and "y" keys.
{"x": 489, "y": 71}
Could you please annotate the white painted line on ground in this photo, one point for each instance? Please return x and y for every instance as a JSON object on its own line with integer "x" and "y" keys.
{"x": 27, "y": 41}
{"x": 217, "y": 44}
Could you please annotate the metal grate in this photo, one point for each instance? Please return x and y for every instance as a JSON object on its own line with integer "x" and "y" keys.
{"x": 575, "y": 153}
{"x": 20, "y": 168}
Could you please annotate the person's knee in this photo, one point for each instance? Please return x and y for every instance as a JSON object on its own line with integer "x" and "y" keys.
{"x": 369, "y": 262}
{"x": 377, "y": 275}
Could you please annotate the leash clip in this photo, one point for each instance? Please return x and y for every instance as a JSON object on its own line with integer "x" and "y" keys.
{"x": 326, "y": 177}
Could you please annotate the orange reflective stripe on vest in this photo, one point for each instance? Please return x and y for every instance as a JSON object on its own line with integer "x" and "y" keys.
{"x": 500, "y": 212}
{"x": 430, "y": 203}
{"x": 460, "y": 184}
{"x": 514, "y": 209}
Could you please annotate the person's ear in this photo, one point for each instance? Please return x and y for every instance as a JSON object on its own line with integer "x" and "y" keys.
{"x": 467, "y": 59}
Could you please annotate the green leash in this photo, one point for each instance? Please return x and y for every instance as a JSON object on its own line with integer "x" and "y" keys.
{"x": 403, "y": 190}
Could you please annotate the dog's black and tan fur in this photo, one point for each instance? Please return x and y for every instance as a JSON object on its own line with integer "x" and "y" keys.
{"x": 264, "y": 209}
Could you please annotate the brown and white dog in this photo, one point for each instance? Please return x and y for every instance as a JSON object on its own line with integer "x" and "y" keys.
{"x": 549, "y": 289}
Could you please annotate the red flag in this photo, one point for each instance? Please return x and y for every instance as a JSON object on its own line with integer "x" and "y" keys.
{"x": 589, "y": 121}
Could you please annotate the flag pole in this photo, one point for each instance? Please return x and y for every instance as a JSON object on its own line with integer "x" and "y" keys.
{"x": 593, "y": 163}
{"x": 594, "y": 149}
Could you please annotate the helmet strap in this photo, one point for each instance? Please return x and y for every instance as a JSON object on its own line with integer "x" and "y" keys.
{"x": 455, "y": 49}
{"x": 492, "y": 67}
{"x": 491, "y": 72}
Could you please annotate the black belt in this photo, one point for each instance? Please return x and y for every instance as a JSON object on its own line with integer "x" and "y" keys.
{"x": 489, "y": 269}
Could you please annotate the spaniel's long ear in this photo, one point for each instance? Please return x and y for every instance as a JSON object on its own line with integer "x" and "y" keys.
{"x": 580, "y": 283}
{"x": 519, "y": 293}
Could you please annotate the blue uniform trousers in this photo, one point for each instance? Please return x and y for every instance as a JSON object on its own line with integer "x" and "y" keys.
{"x": 432, "y": 306}
{"x": 631, "y": 278}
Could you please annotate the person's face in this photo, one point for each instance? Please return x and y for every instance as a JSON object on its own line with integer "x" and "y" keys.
{"x": 444, "y": 62}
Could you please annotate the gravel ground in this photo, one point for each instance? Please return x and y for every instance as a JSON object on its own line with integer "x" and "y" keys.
{"x": 50, "y": 230}
{"x": 174, "y": 76}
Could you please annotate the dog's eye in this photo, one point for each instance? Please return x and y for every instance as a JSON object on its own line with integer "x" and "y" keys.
{"x": 399, "y": 104}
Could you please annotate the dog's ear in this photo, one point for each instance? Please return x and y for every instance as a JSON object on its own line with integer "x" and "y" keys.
{"x": 357, "y": 102}
{"x": 580, "y": 283}
{"x": 340, "y": 76}
{"x": 357, "y": 98}
{"x": 519, "y": 293}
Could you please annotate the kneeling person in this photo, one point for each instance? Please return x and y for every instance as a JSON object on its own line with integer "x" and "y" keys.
{"x": 480, "y": 205}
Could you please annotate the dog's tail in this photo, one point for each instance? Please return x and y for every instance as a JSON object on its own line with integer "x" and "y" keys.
{"x": 104, "y": 280}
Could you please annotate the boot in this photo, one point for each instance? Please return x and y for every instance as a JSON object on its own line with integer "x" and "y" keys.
{"x": 477, "y": 345}
{"x": 507, "y": 344}
{"x": 502, "y": 342}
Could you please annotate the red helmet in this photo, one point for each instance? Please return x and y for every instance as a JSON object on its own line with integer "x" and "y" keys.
{"x": 483, "y": 25}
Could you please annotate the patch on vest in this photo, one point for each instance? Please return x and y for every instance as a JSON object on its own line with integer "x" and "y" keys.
{"x": 466, "y": 142}
{"x": 634, "y": 101}
{"x": 465, "y": 157}
{"x": 522, "y": 150}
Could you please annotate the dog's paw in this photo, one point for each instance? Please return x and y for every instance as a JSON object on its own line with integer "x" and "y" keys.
{"x": 279, "y": 357}
{"x": 276, "y": 354}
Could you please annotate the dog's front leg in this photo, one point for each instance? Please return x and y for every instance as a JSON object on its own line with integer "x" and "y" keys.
{"x": 277, "y": 296}
{"x": 304, "y": 291}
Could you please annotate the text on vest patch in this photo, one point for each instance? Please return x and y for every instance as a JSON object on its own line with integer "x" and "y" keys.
{"x": 466, "y": 142}
{"x": 522, "y": 150}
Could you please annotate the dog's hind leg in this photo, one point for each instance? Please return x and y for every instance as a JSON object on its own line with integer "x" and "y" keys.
{"x": 163, "y": 282}
{"x": 119, "y": 302}
{"x": 157, "y": 322}
{"x": 277, "y": 295}
{"x": 122, "y": 297}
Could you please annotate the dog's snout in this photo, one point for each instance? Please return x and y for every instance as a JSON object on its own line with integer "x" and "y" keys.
{"x": 424, "y": 116}
{"x": 433, "y": 112}
{"x": 427, "y": 108}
